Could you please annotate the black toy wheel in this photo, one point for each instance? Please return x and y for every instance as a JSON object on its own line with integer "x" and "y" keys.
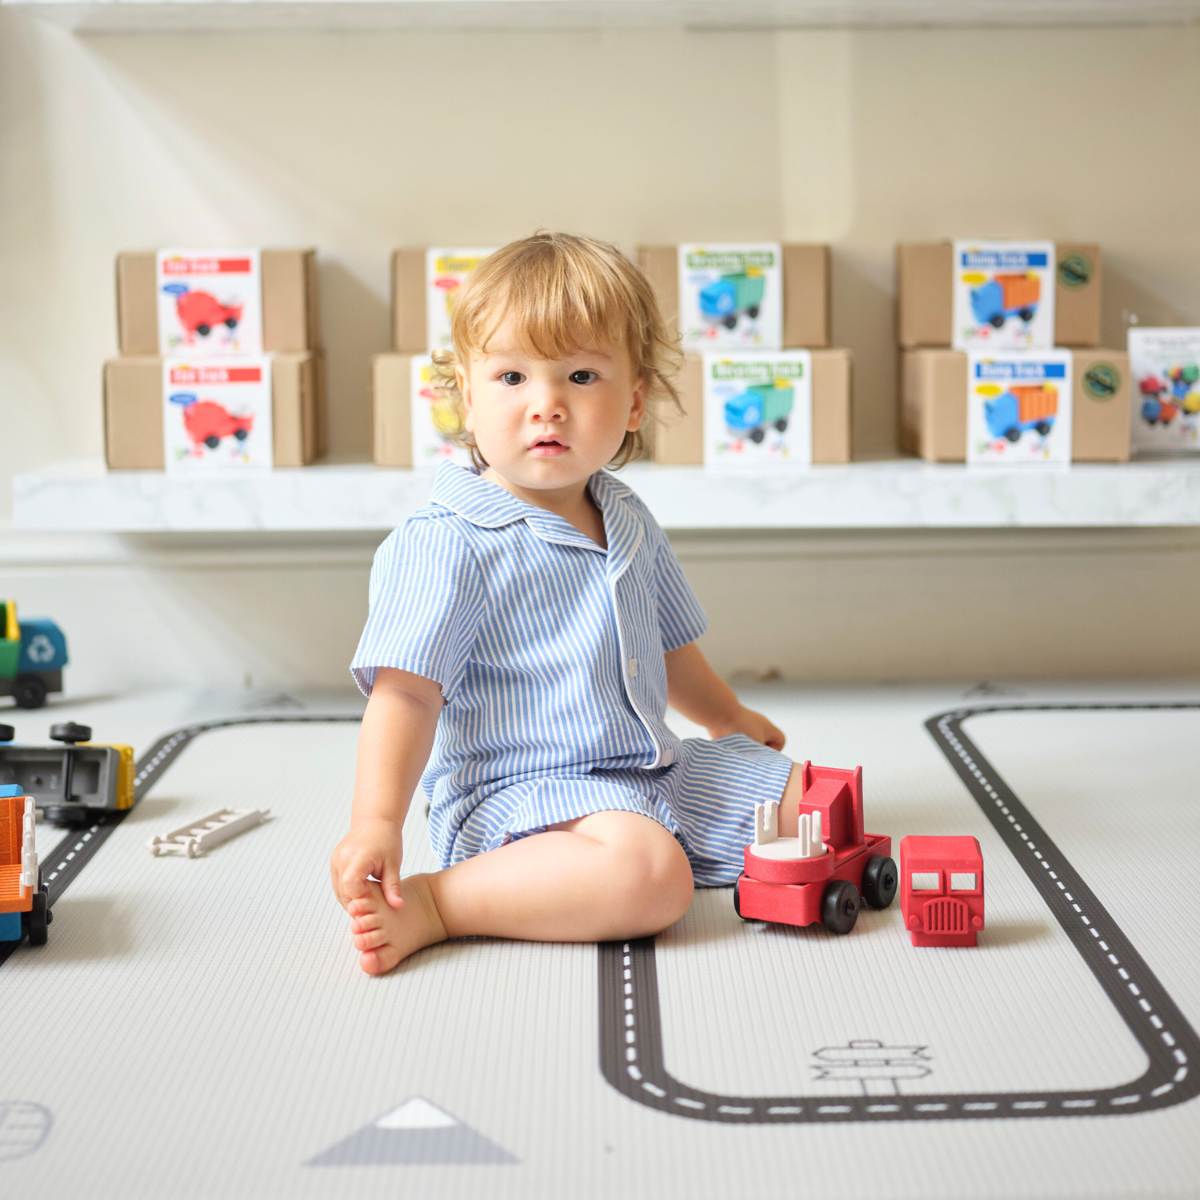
{"x": 1026, "y": 314}
{"x": 756, "y": 436}
{"x": 752, "y": 311}
{"x": 997, "y": 322}
{"x": 70, "y": 732}
{"x": 879, "y": 881}
{"x": 39, "y": 919}
{"x": 1043, "y": 427}
{"x": 781, "y": 424}
{"x": 212, "y": 441}
{"x": 204, "y": 330}
{"x": 730, "y": 322}
{"x": 839, "y": 906}
{"x": 737, "y": 898}
{"x": 231, "y": 322}
{"x": 7, "y": 733}
{"x": 241, "y": 434}
{"x": 29, "y": 691}
{"x": 1013, "y": 435}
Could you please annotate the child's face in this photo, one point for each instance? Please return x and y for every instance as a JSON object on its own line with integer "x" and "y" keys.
{"x": 549, "y": 423}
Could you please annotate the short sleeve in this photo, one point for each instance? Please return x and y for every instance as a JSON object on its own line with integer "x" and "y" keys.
{"x": 680, "y": 618}
{"x": 426, "y": 604}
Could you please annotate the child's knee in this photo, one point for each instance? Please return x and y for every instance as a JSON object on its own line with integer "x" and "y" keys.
{"x": 652, "y": 878}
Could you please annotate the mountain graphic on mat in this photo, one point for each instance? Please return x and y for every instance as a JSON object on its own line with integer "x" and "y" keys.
{"x": 416, "y": 1132}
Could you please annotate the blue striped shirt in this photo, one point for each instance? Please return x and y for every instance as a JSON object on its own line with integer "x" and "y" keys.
{"x": 548, "y": 648}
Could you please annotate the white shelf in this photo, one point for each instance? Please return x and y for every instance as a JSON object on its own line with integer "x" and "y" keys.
{"x": 899, "y": 494}
{"x": 169, "y": 16}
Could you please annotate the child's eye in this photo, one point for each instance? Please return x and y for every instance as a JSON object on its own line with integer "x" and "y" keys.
{"x": 512, "y": 378}
{"x": 584, "y": 376}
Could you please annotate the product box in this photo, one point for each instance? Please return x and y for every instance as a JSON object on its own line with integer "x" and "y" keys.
{"x": 758, "y": 408}
{"x": 423, "y": 285}
{"x": 733, "y": 275}
{"x": 209, "y": 304}
{"x": 926, "y": 294}
{"x": 1166, "y": 373}
{"x": 288, "y": 303}
{"x": 681, "y": 441}
{"x": 412, "y": 423}
{"x": 934, "y": 408}
{"x": 1019, "y": 408}
{"x": 134, "y": 427}
{"x": 216, "y": 414}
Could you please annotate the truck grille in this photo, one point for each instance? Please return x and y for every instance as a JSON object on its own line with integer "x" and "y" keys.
{"x": 945, "y": 916}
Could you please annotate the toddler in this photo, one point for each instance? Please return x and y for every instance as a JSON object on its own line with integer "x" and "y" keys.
{"x": 527, "y": 630}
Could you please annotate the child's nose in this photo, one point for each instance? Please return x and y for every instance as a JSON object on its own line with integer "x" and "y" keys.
{"x": 547, "y": 405}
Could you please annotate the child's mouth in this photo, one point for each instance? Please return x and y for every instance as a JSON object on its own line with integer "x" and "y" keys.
{"x": 548, "y": 447}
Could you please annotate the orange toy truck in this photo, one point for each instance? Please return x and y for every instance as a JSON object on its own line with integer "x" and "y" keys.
{"x": 23, "y": 901}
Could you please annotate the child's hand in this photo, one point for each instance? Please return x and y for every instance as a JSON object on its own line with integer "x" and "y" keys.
{"x": 753, "y": 725}
{"x": 372, "y": 847}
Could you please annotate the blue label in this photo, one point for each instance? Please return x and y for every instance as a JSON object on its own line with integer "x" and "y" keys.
{"x": 184, "y": 398}
{"x": 1020, "y": 370}
{"x": 1003, "y": 259}
{"x": 176, "y": 289}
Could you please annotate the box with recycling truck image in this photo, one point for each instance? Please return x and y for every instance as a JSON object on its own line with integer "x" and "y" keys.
{"x": 758, "y": 408}
{"x": 731, "y": 296}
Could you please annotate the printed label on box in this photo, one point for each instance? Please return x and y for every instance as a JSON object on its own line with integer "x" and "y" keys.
{"x": 444, "y": 272}
{"x": 731, "y": 296}
{"x": 209, "y": 303}
{"x": 758, "y": 408}
{"x": 434, "y": 420}
{"x": 1019, "y": 408}
{"x": 1166, "y": 399}
{"x": 1003, "y": 296}
{"x": 217, "y": 414}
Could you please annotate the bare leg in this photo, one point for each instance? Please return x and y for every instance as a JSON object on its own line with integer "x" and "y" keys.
{"x": 604, "y": 876}
{"x": 789, "y": 804}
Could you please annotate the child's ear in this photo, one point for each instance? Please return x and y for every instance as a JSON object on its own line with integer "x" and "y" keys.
{"x": 638, "y": 412}
{"x": 464, "y": 390}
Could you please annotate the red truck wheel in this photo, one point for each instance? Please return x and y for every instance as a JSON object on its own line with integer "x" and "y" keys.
{"x": 839, "y": 906}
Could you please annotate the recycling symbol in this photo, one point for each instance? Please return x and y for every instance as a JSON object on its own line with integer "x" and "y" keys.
{"x": 40, "y": 649}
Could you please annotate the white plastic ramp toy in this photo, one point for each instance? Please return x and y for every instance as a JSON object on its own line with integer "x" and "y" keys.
{"x": 197, "y": 836}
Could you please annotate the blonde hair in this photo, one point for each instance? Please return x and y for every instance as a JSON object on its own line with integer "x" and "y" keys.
{"x": 563, "y": 294}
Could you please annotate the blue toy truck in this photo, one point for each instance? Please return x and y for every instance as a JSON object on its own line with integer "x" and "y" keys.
{"x": 1005, "y": 296}
{"x": 727, "y": 298}
{"x": 759, "y": 406}
{"x": 1021, "y": 408}
{"x": 32, "y": 656}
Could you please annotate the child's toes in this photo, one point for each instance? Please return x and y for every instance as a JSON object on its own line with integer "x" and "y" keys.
{"x": 361, "y": 907}
{"x": 372, "y": 939}
{"x": 379, "y": 962}
{"x": 365, "y": 924}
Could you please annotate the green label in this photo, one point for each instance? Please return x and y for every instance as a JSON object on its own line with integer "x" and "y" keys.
{"x": 731, "y": 260}
{"x": 1101, "y": 381}
{"x": 763, "y": 371}
{"x": 1075, "y": 271}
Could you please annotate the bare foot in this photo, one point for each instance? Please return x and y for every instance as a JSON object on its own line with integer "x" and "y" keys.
{"x": 386, "y": 935}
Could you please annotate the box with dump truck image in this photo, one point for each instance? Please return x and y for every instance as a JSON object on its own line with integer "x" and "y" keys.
{"x": 1019, "y": 408}
{"x": 934, "y": 405}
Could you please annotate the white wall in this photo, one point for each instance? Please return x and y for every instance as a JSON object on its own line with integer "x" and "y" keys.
{"x": 357, "y": 143}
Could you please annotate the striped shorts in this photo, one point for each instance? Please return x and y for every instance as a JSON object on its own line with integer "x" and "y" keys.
{"x": 706, "y": 798}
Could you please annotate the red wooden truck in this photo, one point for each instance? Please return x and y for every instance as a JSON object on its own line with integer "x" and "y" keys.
{"x": 823, "y": 870}
{"x": 942, "y": 890}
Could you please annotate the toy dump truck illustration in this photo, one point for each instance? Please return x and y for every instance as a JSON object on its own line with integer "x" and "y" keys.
{"x": 32, "y": 656}
{"x": 823, "y": 873}
{"x": 941, "y": 890}
{"x": 760, "y": 406}
{"x": 727, "y": 298}
{"x": 1005, "y": 296}
{"x": 1022, "y": 408}
{"x": 74, "y": 783}
{"x": 207, "y": 422}
{"x": 201, "y": 312}
{"x": 24, "y": 911}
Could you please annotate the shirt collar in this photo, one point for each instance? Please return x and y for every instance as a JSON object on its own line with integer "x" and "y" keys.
{"x": 490, "y": 506}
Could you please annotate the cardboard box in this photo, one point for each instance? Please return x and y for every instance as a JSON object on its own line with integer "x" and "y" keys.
{"x": 924, "y": 294}
{"x": 289, "y": 287}
{"x": 391, "y": 406}
{"x": 933, "y": 405}
{"x": 410, "y": 330}
{"x": 133, "y": 411}
{"x": 679, "y": 441}
{"x": 806, "y": 307}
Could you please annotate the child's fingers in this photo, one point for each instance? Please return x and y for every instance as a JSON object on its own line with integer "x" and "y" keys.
{"x": 353, "y": 884}
{"x": 390, "y": 879}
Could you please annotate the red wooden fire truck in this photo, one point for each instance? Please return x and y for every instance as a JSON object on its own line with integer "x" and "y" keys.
{"x": 823, "y": 871}
{"x": 941, "y": 891}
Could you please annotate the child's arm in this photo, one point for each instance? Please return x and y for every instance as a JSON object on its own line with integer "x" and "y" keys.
{"x": 700, "y": 694}
{"x": 393, "y": 748}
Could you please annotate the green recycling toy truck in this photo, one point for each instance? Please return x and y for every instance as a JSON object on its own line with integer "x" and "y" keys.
{"x": 760, "y": 406}
{"x": 32, "y": 656}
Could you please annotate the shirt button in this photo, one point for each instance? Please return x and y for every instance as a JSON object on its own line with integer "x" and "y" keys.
{"x": 668, "y": 757}
{"x": 633, "y": 667}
